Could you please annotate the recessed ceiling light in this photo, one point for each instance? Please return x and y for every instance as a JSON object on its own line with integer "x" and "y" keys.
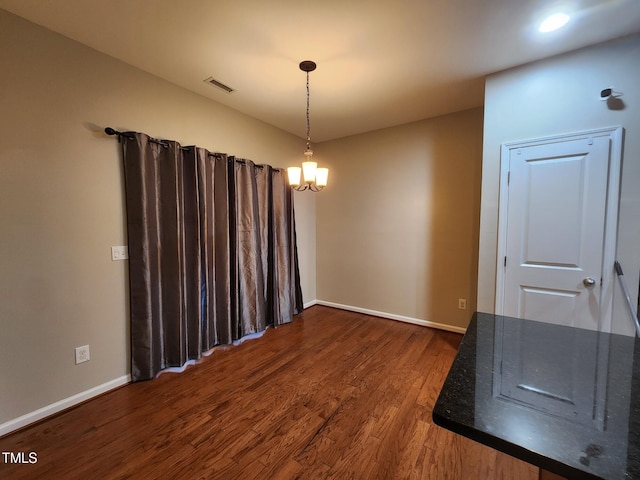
{"x": 554, "y": 22}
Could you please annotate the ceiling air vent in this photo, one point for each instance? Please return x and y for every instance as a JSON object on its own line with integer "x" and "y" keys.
{"x": 212, "y": 81}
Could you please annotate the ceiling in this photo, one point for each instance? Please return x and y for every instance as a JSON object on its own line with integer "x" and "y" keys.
{"x": 380, "y": 62}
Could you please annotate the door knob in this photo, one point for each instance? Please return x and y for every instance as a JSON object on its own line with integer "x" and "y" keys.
{"x": 589, "y": 282}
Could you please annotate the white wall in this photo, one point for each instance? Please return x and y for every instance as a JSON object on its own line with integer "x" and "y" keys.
{"x": 561, "y": 95}
{"x": 397, "y": 227}
{"x": 62, "y": 205}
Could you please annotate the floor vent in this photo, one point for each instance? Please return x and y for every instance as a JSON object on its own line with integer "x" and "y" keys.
{"x": 212, "y": 81}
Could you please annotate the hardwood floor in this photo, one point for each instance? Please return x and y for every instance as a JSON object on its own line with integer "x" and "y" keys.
{"x": 335, "y": 394}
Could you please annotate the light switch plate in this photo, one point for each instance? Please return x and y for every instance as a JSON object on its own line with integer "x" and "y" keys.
{"x": 119, "y": 253}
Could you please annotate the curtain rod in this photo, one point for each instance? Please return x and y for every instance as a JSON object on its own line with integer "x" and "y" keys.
{"x": 112, "y": 131}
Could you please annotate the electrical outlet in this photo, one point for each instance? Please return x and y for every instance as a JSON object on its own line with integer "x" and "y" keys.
{"x": 82, "y": 354}
{"x": 462, "y": 303}
{"x": 119, "y": 253}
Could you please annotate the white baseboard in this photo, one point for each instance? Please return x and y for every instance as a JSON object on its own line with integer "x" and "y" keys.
{"x": 310, "y": 304}
{"x": 63, "y": 404}
{"x": 392, "y": 316}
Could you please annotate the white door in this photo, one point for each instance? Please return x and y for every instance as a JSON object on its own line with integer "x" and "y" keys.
{"x": 557, "y": 228}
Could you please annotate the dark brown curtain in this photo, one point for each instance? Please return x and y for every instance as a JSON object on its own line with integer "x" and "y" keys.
{"x": 212, "y": 251}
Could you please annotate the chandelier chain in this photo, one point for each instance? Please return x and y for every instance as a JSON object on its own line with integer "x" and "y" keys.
{"x": 308, "y": 118}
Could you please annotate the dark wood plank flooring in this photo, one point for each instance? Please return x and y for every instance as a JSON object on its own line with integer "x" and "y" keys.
{"x": 335, "y": 394}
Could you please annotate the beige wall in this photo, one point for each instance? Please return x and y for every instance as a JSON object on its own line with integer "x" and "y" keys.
{"x": 561, "y": 95}
{"x": 397, "y": 228}
{"x": 61, "y": 204}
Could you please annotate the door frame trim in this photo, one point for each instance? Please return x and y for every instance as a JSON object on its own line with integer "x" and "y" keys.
{"x": 615, "y": 134}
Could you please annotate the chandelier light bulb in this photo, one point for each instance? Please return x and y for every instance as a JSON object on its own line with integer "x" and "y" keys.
{"x": 309, "y": 171}
{"x": 554, "y": 22}
{"x": 294, "y": 176}
{"x": 322, "y": 175}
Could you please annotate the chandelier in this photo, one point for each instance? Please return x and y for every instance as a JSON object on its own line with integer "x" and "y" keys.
{"x": 313, "y": 178}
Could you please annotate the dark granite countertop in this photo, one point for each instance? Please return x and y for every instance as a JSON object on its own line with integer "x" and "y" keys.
{"x": 562, "y": 398}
